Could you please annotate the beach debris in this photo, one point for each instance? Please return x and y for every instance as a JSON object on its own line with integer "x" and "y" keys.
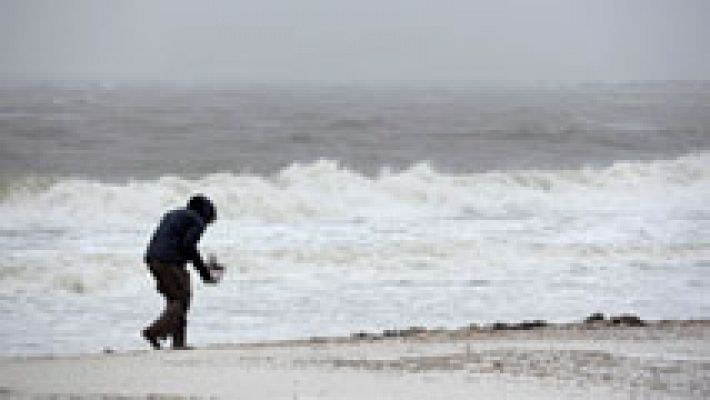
{"x": 364, "y": 336}
{"x": 594, "y": 317}
{"x": 500, "y": 326}
{"x": 409, "y": 332}
{"x": 527, "y": 325}
{"x": 520, "y": 326}
{"x": 414, "y": 331}
{"x": 593, "y": 321}
{"x": 628, "y": 320}
{"x": 391, "y": 333}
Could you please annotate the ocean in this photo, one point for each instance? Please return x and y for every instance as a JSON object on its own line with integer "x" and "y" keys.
{"x": 346, "y": 208}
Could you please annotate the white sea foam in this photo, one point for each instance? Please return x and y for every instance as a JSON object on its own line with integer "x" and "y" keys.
{"x": 324, "y": 191}
{"x": 320, "y": 243}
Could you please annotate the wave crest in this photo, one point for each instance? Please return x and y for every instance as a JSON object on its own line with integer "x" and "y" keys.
{"x": 325, "y": 190}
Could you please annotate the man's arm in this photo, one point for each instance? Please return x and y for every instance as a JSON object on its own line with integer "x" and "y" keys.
{"x": 193, "y": 254}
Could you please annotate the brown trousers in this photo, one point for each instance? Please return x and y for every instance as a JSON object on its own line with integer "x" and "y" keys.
{"x": 173, "y": 282}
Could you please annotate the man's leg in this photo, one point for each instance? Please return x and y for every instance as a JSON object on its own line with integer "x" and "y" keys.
{"x": 171, "y": 286}
{"x": 179, "y": 334}
{"x": 164, "y": 324}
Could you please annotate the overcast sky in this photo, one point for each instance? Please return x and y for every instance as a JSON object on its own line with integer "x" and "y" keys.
{"x": 355, "y": 40}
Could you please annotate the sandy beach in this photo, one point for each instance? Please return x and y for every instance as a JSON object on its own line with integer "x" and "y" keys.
{"x": 600, "y": 359}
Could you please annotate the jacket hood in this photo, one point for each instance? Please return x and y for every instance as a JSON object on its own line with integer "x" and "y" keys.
{"x": 202, "y": 206}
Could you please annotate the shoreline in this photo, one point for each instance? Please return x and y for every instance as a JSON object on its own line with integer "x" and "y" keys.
{"x": 477, "y": 331}
{"x": 592, "y": 358}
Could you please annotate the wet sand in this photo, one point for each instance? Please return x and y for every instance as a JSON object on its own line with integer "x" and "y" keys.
{"x": 601, "y": 359}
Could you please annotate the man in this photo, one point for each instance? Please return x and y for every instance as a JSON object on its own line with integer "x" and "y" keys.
{"x": 172, "y": 246}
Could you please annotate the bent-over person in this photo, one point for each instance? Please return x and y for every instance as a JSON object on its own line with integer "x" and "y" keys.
{"x": 173, "y": 245}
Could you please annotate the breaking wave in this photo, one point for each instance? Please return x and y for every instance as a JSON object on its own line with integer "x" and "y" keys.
{"x": 323, "y": 190}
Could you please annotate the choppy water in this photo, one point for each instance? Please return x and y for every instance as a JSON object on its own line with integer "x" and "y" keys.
{"x": 344, "y": 209}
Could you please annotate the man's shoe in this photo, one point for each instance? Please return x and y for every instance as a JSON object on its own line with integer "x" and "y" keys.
{"x": 153, "y": 340}
{"x": 182, "y": 347}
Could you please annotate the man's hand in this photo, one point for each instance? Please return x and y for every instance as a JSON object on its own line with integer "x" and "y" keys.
{"x": 210, "y": 281}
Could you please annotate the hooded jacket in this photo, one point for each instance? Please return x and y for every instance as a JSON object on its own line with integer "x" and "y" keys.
{"x": 175, "y": 239}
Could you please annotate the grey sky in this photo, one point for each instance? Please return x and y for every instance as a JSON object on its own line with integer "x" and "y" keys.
{"x": 331, "y": 40}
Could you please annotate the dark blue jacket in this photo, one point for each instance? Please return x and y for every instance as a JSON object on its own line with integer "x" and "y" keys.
{"x": 175, "y": 240}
